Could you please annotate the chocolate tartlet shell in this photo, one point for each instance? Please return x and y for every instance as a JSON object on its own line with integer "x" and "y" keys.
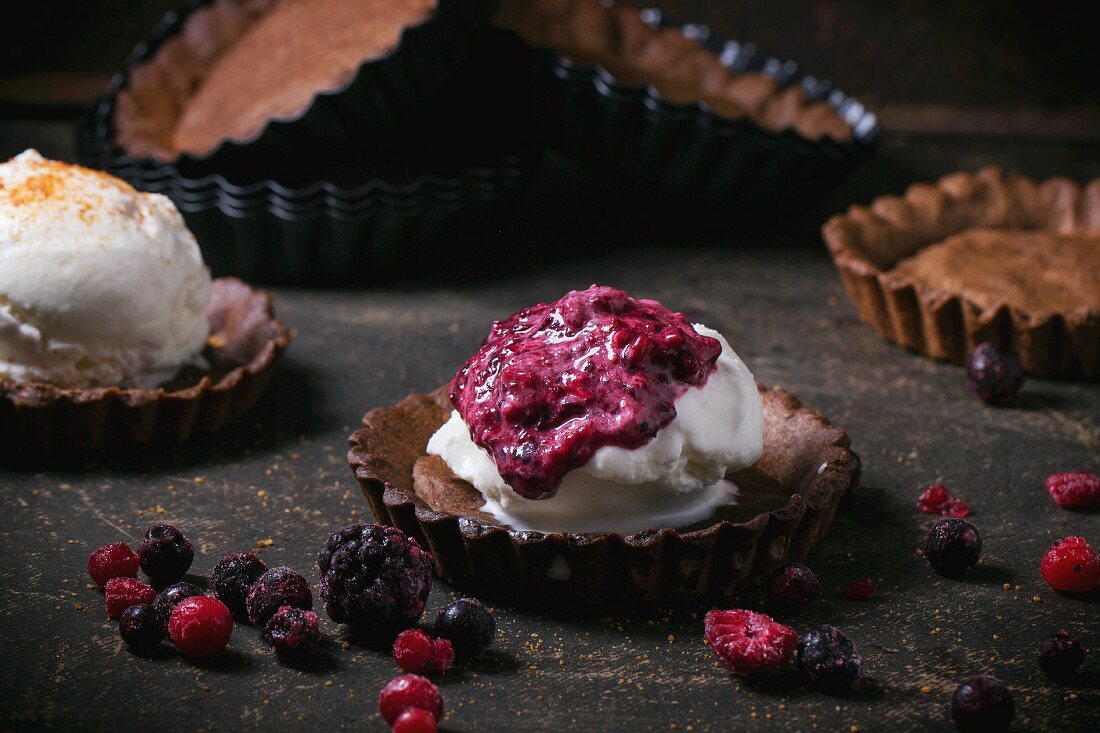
{"x": 688, "y": 148}
{"x": 866, "y": 242}
{"x": 245, "y": 341}
{"x": 805, "y": 469}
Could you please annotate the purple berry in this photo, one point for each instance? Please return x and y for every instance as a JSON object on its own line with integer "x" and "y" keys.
{"x": 828, "y": 659}
{"x": 292, "y": 633}
{"x": 994, "y": 376}
{"x": 982, "y": 704}
{"x": 170, "y": 596}
{"x": 274, "y": 589}
{"x": 793, "y": 588}
{"x": 165, "y": 554}
{"x": 1060, "y": 655}
{"x": 953, "y": 546}
{"x": 468, "y": 625}
{"x": 140, "y": 628}
{"x": 233, "y": 578}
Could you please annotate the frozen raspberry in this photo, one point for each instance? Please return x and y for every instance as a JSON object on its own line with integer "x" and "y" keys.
{"x": 1071, "y": 565}
{"x": 125, "y": 592}
{"x": 748, "y": 643}
{"x": 936, "y": 500}
{"x": 409, "y": 691}
{"x": 468, "y": 625}
{"x": 415, "y": 720}
{"x": 1074, "y": 489}
{"x": 165, "y": 554}
{"x": 860, "y": 590}
{"x": 994, "y": 376}
{"x": 982, "y": 704}
{"x": 1060, "y": 655}
{"x": 112, "y": 561}
{"x": 170, "y": 596}
{"x": 828, "y": 659}
{"x": 233, "y": 577}
{"x": 292, "y": 633}
{"x": 952, "y": 547}
{"x": 274, "y": 589}
{"x": 793, "y": 588}
{"x": 200, "y": 626}
{"x": 414, "y": 651}
{"x": 375, "y": 579}
{"x": 140, "y": 628}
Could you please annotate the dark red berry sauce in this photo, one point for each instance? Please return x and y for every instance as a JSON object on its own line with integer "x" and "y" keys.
{"x": 555, "y": 382}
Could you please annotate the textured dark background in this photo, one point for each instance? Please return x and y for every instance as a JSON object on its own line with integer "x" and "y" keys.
{"x": 958, "y": 86}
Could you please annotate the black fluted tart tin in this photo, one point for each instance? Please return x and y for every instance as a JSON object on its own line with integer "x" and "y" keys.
{"x": 688, "y": 149}
{"x": 357, "y": 223}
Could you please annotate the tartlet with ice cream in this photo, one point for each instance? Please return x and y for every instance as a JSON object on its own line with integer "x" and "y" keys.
{"x": 603, "y": 448}
{"x": 112, "y": 332}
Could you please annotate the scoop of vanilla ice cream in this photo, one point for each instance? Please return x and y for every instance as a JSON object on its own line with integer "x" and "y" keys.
{"x": 673, "y": 480}
{"x": 99, "y": 284}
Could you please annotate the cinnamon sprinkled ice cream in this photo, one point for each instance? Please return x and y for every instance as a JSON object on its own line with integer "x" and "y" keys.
{"x": 100, "y": 284}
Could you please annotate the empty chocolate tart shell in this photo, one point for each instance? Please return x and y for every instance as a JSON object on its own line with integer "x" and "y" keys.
{"x": 758, "y": 137}
{"x": 785, "y": 504}
{"x": 867, "y": 242}
{"x": 245, "y": 341}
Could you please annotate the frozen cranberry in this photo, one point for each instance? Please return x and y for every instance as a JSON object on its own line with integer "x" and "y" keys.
{"x": 860, "y": 590}
{"x": 1060, "y": 655}
{"x": 125, "y": 592}
{"x": 994, "y": 376}
{"x": 1071, "y": 565}
{"x": 793, "y": 588}
{"x": 112, "y": 561}
{"x": 200, "y": 626}
{"x": 165, "y": 554}
{"x": 1074, "y": 489}
{"x": 409, "y": 691}
{"x": 414, "y": 651}
{"x": 415, "y": 720}
{"x": 982, "y": 704}
{"x": 748, "y": 643}
{"x": 936, "y": 500}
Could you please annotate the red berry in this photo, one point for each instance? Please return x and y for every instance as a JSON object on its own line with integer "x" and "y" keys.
{"x": 113, "y": 561}
{"x": 409, "y": 691}
{"x": 860, "y": 590}
{"x": 1071, "y": 565}
{"x": 125, "y": 592}
{"x": 1074, "y": 489}
{"x": 956, "y": 508}
{"x": 443, "y": 655}
{"x": 793, "y": 588}
{"x": 748, "y": 643}
{"x": 415, "y": 720}
{"x": 200, "y": 626}
{"x": 414, "y": 651}
{"x": 931, "y": 498}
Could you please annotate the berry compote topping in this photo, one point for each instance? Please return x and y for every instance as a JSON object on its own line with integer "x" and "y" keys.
{"x": 406, "y": 692}
{"x": 416, "y": 652}
{"x": 994, "y": 376}
{"x": 952, "y": 547}
{"x": 1060, "y": 655}
{"x": 165, "y": 554}
{"x": 748, "y": 643}
{"x": 292, "y": 633}
{"x": 140, "y": 628}
{"x": 793, "y": 588}
{"x": 468, "y": 625}
{"x": 982, "y": 704}
{"x": 828, "y": 659}
{"x": 112, "y": 561}
{"x": 232, "y": 579}
{"x": 1071, "y": 565}
{"x": 200, "y": 626}
{"x": 122, "y": 593}
{"x": 1074, "y": 489}
{"x": 555, "y": 382}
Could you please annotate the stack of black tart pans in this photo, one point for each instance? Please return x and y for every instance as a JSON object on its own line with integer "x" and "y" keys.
{"x": 431, "y": 148}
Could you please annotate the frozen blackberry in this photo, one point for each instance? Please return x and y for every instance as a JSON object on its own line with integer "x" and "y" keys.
{"x": 172, "y": 595}
{"x": 141, "y": 629}
{"x": 274, "y": 589}
{"x": 994, "y": 376}
{"x": 1060, "y": 655}
{"x": 468, "y": 625}
{"x": 828, "y": 659}
{"x": 952, "y": 547}
{"x": 982, "y": 704}
{"x": 292, "y": 633}
{"x": 793, "y": 588}
{"x": 375, "y": 579}
{"x": 165, "y": 554}
{"x": 232, "y": 579}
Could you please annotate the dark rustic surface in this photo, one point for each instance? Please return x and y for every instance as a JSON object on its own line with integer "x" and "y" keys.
{"x": 279, "y": 479}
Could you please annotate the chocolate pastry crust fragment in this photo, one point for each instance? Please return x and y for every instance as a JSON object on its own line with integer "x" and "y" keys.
{"x": 785, "y": 505}
{"x": 986, "y": 256}
{"x": 245, "y": 341}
